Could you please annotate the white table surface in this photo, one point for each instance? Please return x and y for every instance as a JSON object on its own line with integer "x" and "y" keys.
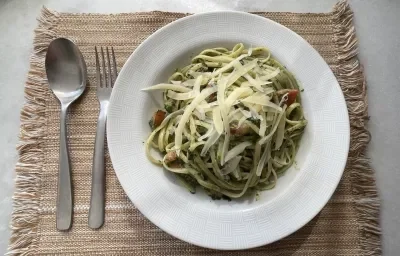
{"x": 379, "y": 40}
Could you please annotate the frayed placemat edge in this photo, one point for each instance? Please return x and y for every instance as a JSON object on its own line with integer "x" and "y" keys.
{"x": 26, "y": 199}
{"x": 351, "y": 79}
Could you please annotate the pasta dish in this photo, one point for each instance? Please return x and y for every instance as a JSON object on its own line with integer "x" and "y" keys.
{"x": 232, "y": 122}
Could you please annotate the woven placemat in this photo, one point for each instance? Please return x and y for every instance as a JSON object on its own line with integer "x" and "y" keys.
{"x": 348, "y": 224}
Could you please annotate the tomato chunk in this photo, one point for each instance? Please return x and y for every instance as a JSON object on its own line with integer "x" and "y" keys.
{"x": 158, "y": 118}
{"x": 292, "y": 94}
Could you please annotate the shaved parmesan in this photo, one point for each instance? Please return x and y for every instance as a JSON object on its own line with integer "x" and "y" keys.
{"x": 263, "y": 125}
{"x": 271, "y": 106}
{"x": 231, "y": 165}
{"x": 176, "y": 82}
{"x": 219, "y": 126}
{"x": 211, "y": 141}
{"x": 260, "y": 99}
{"x": 245, "y": 113}
{"x": 186, "y": 114}
{"x": 271, "y": 75}
{"x": 228, "y": 66}
{"x": 237, "y": 150}
{"x": 236, "y": 94}
{"x": 174, "y": 87}
{"x": 182, "y": 95}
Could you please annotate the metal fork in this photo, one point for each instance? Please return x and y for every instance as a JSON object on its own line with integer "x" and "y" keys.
{"x": 105, "y": 82}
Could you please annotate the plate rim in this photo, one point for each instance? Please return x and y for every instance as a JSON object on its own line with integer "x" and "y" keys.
{"x": 342, "y": 98}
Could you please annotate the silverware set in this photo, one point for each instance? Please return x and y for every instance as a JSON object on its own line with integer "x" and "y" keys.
{"x": 66, "y": 73}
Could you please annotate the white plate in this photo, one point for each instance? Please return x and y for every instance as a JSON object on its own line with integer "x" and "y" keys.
{"x": 299, "y": 195}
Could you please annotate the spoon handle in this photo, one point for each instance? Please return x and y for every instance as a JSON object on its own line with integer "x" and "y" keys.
{"x": 64, "y": 195}
{"x": 96, "y": 210}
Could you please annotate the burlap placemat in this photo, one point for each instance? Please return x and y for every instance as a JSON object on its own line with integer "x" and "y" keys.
{"x": 348, "y": 225}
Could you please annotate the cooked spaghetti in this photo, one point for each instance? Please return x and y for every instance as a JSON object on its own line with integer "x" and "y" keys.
{"x": 232, "y": 122}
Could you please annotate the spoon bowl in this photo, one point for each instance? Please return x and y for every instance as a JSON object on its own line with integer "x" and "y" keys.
{"x": 66, "y": 70}
{"x": 66, "y": 74}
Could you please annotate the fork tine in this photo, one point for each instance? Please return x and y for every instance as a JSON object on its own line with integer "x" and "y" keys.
{"x": 98, "y": 75}
{"x": 104, "y": 68}
{"x": 109, "y": 68}
{"x": 114, "y": 64}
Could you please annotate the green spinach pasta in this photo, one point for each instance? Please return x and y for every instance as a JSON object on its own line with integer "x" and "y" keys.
{"x": 232, "y": 122}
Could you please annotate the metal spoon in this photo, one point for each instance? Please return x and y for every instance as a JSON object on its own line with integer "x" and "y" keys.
{"x": 66, "y": 74}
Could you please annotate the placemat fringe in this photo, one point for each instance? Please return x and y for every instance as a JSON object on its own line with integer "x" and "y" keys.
{"x": 351, "y": 78}
{"x": 25, "y": 214}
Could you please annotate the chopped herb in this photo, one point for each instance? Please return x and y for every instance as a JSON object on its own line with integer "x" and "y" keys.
{"x": 169, "y": 105}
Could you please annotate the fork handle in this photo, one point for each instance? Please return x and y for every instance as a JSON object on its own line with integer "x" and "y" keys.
{"x": 97, "y": 201}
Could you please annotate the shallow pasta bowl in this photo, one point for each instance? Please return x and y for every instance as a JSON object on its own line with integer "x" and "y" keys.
{"x": 238, "y": 224}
